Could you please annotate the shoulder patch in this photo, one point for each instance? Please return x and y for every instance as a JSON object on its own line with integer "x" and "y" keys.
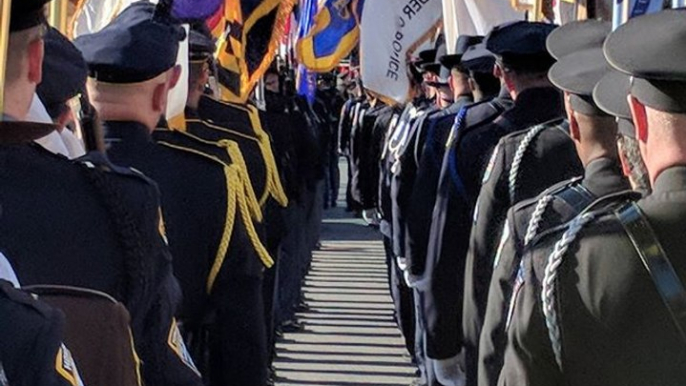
{"x": 178, "y": 346}
{"x": 66, "y": 368}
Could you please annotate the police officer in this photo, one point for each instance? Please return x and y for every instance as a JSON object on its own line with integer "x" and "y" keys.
{"x": 83, "y": 211}
{"x": 218, "y": 257}
{"x": 578, "y": 46}
{"x": 523, "y": 70}
{"x": 602, "y": 301}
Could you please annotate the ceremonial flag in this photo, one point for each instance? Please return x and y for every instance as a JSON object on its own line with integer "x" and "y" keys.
{"x": 306, "y": 81}
{"x": 336, "y": 32}
{"x": 474, "y": 17}
{"x": 390, "y": 31}
{"x": 249, "y": 44}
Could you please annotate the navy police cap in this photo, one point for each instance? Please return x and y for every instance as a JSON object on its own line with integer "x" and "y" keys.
{"x": 651, "y": 49}
{"x": 478, "y": 59}
{"x": 461, "y": 46}
{"x": 521, "y": 45}
{"x": 64, "y": 73}
{"x": 27, "y": 14}
{"x": 137, "y": 46}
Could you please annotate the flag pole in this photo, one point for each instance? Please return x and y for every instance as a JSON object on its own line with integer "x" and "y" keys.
{"x": 58, "y": 14}
{"x": 5, "y": 11}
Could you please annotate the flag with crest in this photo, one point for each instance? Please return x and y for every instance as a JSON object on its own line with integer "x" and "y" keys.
{"x": 335, "y": 34}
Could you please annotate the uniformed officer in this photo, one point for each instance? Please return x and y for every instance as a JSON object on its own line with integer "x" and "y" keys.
{"x": 523, "y": 70}
{"x": 218, "y": 256}
{"x": 83, "y": 211}
{"x": 578, "y": 47}
{"x": 426, "y": 157}
{"x": 603, "y": 299}
{"x": 31, "y": 348}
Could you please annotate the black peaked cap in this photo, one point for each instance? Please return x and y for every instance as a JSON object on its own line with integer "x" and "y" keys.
{"x": 137, "y": 46}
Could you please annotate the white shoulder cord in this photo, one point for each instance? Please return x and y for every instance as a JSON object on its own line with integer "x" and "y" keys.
{"x": 548, "y": 283}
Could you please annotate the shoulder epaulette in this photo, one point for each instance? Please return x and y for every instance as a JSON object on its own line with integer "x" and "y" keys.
{"x": 97, "y": 160}
{"x": 16, "y": 295}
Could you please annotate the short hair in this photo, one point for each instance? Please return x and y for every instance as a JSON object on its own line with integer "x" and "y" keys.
{"x": 487, "y": 83}
{"x": 632, "y": 155}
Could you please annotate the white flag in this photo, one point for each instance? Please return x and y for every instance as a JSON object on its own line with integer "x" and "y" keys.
{"x": 391, "y": 30}
{"x": 475, "y": 17}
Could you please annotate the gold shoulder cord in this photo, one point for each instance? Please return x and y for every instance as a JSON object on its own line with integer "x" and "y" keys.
{"x": 236, "y": 198}
{"x": 234, "y": 151}
{"x": 275, "y": 188}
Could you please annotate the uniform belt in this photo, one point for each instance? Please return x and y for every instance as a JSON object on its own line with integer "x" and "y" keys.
{"x": 653, "y": 256}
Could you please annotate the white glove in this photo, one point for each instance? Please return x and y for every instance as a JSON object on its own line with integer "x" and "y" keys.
{"x": 410, "y": 279}
{"x": 402, "y": 263}
{"x": 371, "y": 216}
{"x": 448, "y": 371}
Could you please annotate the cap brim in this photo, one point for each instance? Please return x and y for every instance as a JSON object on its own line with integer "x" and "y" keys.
{"x": 610, "y": 94}
{"x": 578, "y": 73}
{"x": 641, "y": 49}
{"x": 577, "y": 36}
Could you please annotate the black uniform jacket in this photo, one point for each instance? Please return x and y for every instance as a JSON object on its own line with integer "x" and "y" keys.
{"x": 556, "y": 206}
{"x": 432, "y": 142}
{"x": 31, "y": 349}
{"x": 216, "y": 254}
{"x": 93, "y": 225}
{"x": 548, "y": 148}
{"x": 450, "y": 222}
{"x": 615, "y": 328}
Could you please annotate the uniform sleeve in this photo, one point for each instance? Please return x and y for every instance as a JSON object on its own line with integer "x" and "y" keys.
{"x": 488, "y": 217}
{"x": 52, "y": 362}
{"x": 529, "y": 358}
{"x": 493, "y": 338}
{"x": 166, "y": 360}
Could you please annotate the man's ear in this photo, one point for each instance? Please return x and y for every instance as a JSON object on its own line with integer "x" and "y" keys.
{"x": 638, "y": 113}
{"x": 36, "y": 52}
{"x": 175, "y": 76}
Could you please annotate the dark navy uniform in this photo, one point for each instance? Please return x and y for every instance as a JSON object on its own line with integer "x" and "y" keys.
{"x": 116, "y": 213}
{"x": 31, "y": 348}
{"x": 369, "y": 142}
{"x": 218, "y": 256}
{"x": 603, "y": 298}
{"x": 451, "y": 218}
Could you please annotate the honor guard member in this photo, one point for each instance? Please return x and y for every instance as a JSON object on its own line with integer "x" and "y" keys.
{"x": 578, "y": 47}
{"x": 427, "y": 156}
{"x": 31, "y": 348}
{"x": 203, "y": 201}
{"x": 603, "y": 300}
{"x": 431, "y": 145}
{"x": 523, "y": 70}
{"x": 82, "y": 211}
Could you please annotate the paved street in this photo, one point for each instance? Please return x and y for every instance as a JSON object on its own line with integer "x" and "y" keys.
{"x": 349, "y": 336}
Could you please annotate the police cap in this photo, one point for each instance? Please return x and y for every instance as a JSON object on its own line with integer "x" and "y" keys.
{"x": 64, "y": 73}
{"x": 521, "y": 45}
{"x": 137, "y": 46}
{"x": 27, "y": 14}
{"x": 201, "y": 45}
{"x": 461, "y": 46}
{"x": 478, "y": 59}
{"x": 577, "y": 36}
{"x": 652, "y": 50}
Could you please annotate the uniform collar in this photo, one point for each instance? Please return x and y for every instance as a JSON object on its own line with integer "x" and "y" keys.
{"x": 603, "y": 176}
{"x": 671, "y": 179}
{"x": 126, "y": 131}
{"x": 13, "y": 133}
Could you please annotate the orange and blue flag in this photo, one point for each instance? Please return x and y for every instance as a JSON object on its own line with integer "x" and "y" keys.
{"x": 253, "y": 30}
{"x": 335, "y": 34}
